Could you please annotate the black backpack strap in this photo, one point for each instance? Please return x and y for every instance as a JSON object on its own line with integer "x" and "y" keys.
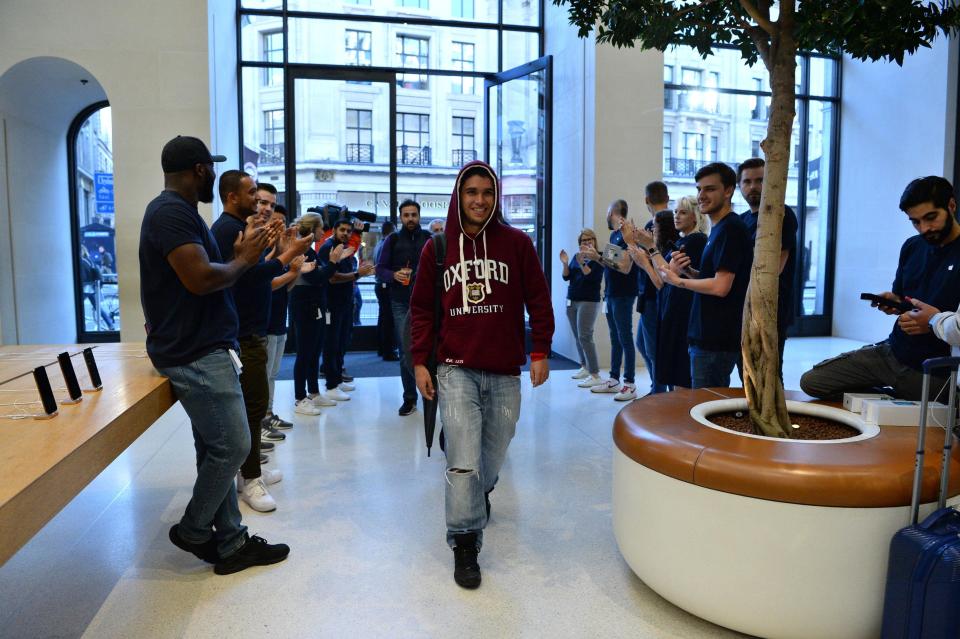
{"x": 440, "y": 253}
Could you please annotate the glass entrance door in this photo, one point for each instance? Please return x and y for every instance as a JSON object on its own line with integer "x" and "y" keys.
{"x": 341, "y": 153}
{"x": 518, "y": 106}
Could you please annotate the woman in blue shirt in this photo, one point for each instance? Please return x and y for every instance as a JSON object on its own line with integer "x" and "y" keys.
{"x": 583, "y": 304}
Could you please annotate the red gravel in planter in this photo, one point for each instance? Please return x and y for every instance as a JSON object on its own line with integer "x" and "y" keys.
{"x": 810, "y": 428}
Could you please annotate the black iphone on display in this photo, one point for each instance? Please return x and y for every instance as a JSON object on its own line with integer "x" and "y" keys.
{"x": 903, "y": 306}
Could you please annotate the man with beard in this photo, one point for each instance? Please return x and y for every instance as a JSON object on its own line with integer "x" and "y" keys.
{"x": 398, "y": 266}
{"x": 750, "y": 180}
{"x": 720, "y": 286}
{"x": 252, "y": 295}
{"x": 191, "y": 325}
{"x": 928, "y": 270}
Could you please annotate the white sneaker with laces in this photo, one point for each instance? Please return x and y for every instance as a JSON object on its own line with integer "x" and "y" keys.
{"x": 608, "y": 386}
{"x": 580, "y": 374}
{"x": 347, "y": 387}
{"x": 255, "y": 495}
{"x": 306, "y": 407}
{"x": 270, "y": 476}
{"x": 337, "y": 395}
{"x": 590, "y": 382}
{"x": 627, "y": 392}
{"x": 319, "y": 400}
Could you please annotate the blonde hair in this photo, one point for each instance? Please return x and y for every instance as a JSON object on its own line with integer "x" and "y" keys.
{"x": 689, "y": 202}
{"x": 587, "y": 234}
{"x": 308, "y": 223}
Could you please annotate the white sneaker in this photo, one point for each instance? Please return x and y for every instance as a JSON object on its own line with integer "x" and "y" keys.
{"x": 319, "y": 400}
{"x": 627, "y": 392}
{"x": 607, "y": 386}
{"x": 590, "y": 382}
{"x": 337, "y": 395}
{"x": 270, "y": 476}
{"x": 255, "y": 495}
{"x": 306, "y": 407}
{"x": 580, "y": 374}
{"x": 347, "y": 387}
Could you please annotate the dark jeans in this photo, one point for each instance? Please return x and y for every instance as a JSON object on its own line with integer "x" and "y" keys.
{"x": 308, "y": 322}
{"x": 620, "y": 323}
{"x": 386, "y": 333}
{"x": 357, "y": 304}
{"x": 711, "y": 368}
{"x": 401, "y": 320}
{"x": 863, "y": 371}
{"x": 335, "y": 342}
{"x": 647, "y": 343}
{"x": 210, "y": 393}
{"x": 256, "y": 396}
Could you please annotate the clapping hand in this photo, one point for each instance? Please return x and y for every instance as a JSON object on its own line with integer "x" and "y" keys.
{"x": 564, "y": 258}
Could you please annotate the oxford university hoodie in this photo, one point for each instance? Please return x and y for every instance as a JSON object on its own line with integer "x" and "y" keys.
{"x": 487, "y": 280}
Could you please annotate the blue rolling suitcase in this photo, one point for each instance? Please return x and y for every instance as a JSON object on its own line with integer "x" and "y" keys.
{"x": 922, "y": 596}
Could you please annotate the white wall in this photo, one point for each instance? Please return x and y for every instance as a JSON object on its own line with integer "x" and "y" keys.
{"x": 607, "y": 144}
{"x": 152, "y": 61}
{"x": 896, "y": 125}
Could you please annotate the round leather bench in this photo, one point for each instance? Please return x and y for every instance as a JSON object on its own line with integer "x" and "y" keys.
{"x": 774, "y": 538}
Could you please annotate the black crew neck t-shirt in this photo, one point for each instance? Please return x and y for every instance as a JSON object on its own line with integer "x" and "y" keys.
{"x": 788, "y": 242}
{"x": 252, "y": 292}
{"x": 930, "y": 274}
{"x": 339, "y": 296}
{"x": 715, "y": 322}
{"x": 181, "y": 327}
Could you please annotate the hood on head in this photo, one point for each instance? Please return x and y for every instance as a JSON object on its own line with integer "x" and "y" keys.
{"x": 454, "y": 211}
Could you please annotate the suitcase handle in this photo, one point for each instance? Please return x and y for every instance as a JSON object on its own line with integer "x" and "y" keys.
{"x": 936, "y": 363}
{"x": 941, "y": 517}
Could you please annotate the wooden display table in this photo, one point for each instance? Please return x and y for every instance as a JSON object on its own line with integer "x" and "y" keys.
{"x": 46, "y": 463}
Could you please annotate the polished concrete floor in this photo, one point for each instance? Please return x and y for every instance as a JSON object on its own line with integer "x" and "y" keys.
{"x": 361, "y": 506}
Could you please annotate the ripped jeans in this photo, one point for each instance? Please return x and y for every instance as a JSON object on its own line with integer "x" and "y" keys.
{"x": 479, "y": 412}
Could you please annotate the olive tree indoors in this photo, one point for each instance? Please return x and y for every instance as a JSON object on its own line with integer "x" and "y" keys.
{"x": 771, "y": 32}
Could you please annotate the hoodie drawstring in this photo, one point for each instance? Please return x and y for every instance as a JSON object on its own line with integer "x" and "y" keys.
{"x": 463, "y": 269}
{"x": 486, "y": 275}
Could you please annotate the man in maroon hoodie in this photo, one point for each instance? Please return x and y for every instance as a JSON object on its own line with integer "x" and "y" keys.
{"x": 490, "y": 272}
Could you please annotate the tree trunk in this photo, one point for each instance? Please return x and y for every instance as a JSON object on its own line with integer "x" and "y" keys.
{"x": 761, "y": 381}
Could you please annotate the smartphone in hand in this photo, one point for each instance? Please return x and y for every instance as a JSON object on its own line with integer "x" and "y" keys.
{"x": 904, "y": 306}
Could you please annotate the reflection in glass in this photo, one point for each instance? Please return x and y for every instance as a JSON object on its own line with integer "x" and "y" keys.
{"x": 97, "y": 223}
{"x": 261, "y": 39}
{"x": 519, "y": 47}
{"x": 264, "y": 142}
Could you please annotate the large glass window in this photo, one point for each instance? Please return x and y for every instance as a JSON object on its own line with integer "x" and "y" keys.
{"x": 97, "y": 289}
{"x": 719, "y": 109}
{"x": 356, "y": 140}
{"x": 413, "y": 53}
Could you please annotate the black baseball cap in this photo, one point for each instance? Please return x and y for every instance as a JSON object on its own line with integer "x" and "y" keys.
{"x": 183, "y": 152}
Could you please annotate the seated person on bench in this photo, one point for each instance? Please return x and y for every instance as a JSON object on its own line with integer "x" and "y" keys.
{"x": 928, "y": 270}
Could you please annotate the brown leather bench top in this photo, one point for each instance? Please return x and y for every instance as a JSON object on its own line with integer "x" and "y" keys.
{"x": 659, "y": 433}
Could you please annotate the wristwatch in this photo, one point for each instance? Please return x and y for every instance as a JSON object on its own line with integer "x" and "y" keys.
{"x": 653, "y": 251}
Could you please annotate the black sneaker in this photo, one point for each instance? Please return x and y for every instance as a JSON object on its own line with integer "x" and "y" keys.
{"x": 256, "y": 552}
{"x": 391, "y": 357}
{"x": 206, "y": 551}
{"x": 265, "y": 446}
{"x": 264, "y": 459}
{"x": 407, "y": 408}
{"x": 271, "y": 434}
{"x": 274, "y": 422}
{"x": 466, "y": 570}
{"x": 346, "y": 378}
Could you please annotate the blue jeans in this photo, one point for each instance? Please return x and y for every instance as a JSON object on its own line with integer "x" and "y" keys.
{"x": 620, "y": 323}
{"x": 479, "y": 412}
{"x": 647, "y": 344}
{"x": 711, "y": 368}
{"x": 209, "y": 390}
{"x": 401, "y": 324}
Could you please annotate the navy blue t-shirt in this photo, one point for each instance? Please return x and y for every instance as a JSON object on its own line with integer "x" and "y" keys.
{"x": 278, "y": 312}
{"x": 338, "y": 295}
{"x": 619, "y": 284}
{"x": 930, "y": 274}
{"x": 252, "y": 292}
{"x": 646, "y": 289}
{"x": 715, "y": 322}
{"x": 788, "y": 242}
{"x": 584, "y": 288}
{"x": 181, "y": 327}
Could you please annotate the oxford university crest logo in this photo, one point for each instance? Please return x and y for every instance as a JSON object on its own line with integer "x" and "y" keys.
{"x": 476, "y": 293}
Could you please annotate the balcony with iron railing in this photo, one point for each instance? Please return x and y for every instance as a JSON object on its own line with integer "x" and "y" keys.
{"x": 271, "y": 153}
{"x": 413, "y": 155}
{"x": 684, "y": 167}
{"x": 360, "y": 153}
{"x": 463, "y": 156}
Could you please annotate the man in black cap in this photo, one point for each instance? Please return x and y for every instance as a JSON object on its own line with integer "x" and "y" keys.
{"x": 339, "y": 313}
{"x": 191, "y": 325}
